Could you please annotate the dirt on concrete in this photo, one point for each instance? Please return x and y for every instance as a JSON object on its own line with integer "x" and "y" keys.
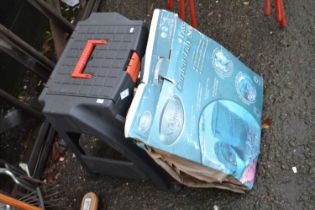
{"x": 285, "y": 59}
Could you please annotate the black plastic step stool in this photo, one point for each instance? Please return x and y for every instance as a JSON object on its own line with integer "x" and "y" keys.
{"x": 90, "y": 90}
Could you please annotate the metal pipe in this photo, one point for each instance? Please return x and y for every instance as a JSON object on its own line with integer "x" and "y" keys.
{"x": 50, "y": 13}
{"x": 25, "y": 54}
{"x": 16, "y": 103}
{"x": 25, "y": 46}
{"x": 59, "y": 35}
{"x": 37, "y": 149}
{"x": 91, "y": 6}
{"x": 10, "y": 174}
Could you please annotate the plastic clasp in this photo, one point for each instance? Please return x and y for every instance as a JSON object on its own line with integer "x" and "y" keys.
{"x": 133, "y": 68}
{"x": 87, "y": 51}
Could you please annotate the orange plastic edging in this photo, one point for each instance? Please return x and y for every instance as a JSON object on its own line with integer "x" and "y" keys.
{"x": 16, "y": 203}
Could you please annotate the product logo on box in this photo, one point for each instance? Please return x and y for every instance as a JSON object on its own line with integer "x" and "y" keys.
{"x": 245, "y": 88}
{"x": 172, "y": 121}
{"x": 222, "y": 63}
{"x": 145, "y": 121}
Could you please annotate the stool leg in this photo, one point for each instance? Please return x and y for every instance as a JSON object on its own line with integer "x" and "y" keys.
{"x": 169, "y": 4}
{"x": 267, "y": 7}
{"x": 182, "y": 9}
{"x": 283, "y": 20}
{"x": 192, "y": 13}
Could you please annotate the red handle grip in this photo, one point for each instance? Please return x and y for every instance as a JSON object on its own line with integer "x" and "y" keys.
{"x": 88, "y": 49}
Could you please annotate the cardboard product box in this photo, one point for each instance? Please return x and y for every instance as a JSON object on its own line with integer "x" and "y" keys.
{"x": 196, "y": 101}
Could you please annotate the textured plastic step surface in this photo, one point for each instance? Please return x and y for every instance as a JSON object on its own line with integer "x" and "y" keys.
{"x": 107, "y": 62}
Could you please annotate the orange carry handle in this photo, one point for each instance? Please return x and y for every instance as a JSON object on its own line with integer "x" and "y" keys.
{"x": 133, "y": 67}
{"x": 88, "y": 49}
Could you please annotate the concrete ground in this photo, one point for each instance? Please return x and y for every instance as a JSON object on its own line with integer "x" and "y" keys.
{"x": 285, "y": 59}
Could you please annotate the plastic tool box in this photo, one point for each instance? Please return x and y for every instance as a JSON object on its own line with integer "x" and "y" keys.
{"x": 90, "y": 91}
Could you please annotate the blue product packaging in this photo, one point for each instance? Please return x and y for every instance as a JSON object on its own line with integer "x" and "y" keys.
{"x": 197, "y": 101}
